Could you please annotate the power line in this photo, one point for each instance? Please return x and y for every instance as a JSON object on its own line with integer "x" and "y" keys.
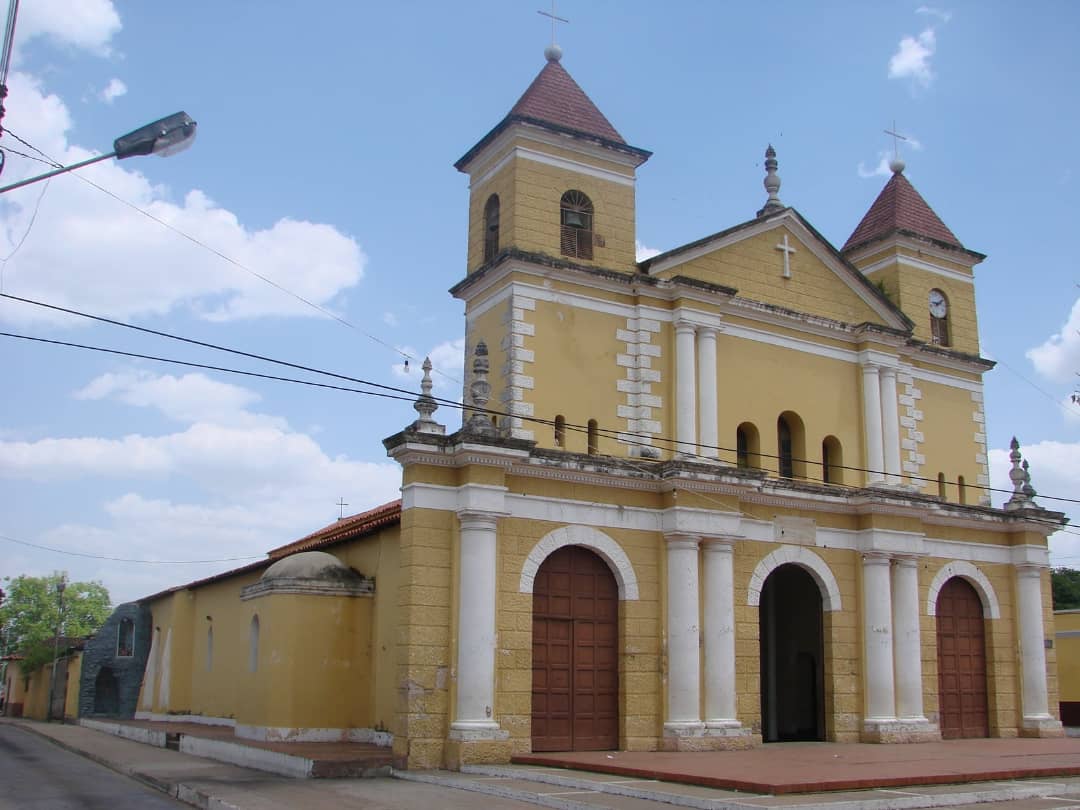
{"x": 323, "y": 310}
{"x": 126, "y": 559}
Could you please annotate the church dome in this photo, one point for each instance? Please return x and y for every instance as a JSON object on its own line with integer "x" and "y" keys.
{"x": 313, "y": 565}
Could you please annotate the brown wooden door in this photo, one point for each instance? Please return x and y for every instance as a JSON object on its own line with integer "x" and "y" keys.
{"x": 575, "y": 695}
{"x": 961, "y": 662}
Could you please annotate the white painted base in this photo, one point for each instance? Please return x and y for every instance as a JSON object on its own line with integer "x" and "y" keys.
{"x": 1041, "y": 725}
{"x": 477, "y": 733}
{"x": 383, "y": 739}
{"x": 203, "y": 719}
{"x": 901, "y": 730}
{"x": 684, "y": 729}
{"x": 145, "y": 736}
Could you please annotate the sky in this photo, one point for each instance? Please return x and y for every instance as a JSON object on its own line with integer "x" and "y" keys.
{"x": 323, "y": 171}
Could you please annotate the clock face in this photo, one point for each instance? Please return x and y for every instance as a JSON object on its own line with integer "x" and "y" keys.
{"x": 938, "y": 306}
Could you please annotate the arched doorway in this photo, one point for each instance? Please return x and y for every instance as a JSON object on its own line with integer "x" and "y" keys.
{"x": 106, "y": 693}
{"x": 575, "y": 692}
{"x": 961, "y": 644}
{"x": 792, "y": 655}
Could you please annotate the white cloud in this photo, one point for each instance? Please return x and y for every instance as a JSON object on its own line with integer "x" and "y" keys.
{"x": 112, "y": 91}
{"x": 1058, "y": 358}
{"x": 1055, "y": 470}
{"x": 447, "y": 362}
{"x": 881, "y": 170}
{"x": 941, "y": 14}
{"x": 190, "y": 398}
{"x": 84, "y": 24}
{"x": 390, "y": 319}
{"x": 129, "y": 265}
{"x": 643, "y": 252}
{"x": 912, "y": 58}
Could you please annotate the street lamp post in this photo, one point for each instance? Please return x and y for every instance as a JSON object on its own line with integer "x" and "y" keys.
{"x": 60, "y": 586}
{"x": 163, "y": 137}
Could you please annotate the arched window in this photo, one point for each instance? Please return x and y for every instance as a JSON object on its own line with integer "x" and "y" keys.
{"x": 747, "y": 446}
{"x": 791, "y": 446}
{"x": 939, "y": 318}
{"x": 560, "y": 431}
{"x": 576, "y": 225}
{"x": 961, "y": 486}
{"x": 210, "y": 649}
{"x": 594, "y": 439}
{"x": 941, "y": 486}
{"x": 491, "y": 228}
{"x": 125, "y": 638}
{"x": 832, "y": 461}
{"x": 253, "y": 644}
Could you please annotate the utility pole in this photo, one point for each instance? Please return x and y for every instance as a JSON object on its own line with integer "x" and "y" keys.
{"x": 60, "y": 586}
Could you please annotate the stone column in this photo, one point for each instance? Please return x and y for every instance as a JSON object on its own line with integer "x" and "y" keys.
{"x": 685, "y": 390}
{"x": 720, "y": 711}
{"x": 878, "y": 639}
{"x": 476, "y": 625}
{"x": 875, "y": 452}
{"x": 708, "y": 427}
{"x": 907, "y": 647}
{"x": 890, "y": 418}
{"x": 683, "y": 637}
{"x": 1035, "y": 707}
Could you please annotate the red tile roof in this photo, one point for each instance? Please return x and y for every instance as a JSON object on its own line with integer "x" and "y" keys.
{"x": 343, "y": 529}
{"x": 899, "y": 207}
{"x": 555, "y": 98}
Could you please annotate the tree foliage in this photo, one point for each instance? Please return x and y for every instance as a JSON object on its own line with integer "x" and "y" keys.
{"x": 30, "y": 615}
{"x": 1066, "y": 585}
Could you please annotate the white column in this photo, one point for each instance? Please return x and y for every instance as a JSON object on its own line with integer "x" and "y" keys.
{"x": 1032, "y": 649}
{"x": 719, "y": 634}
{"x": 907, "y": 641}
{"x": 476, "y": 624}
{"x": 890, "y": 419}
{"x": 685, "y": 389}
{"x": 875, "y": 453}
{"x": 877, "y": 638}
{"x": 683, "y": 635}
{"x": 708, "y": 429}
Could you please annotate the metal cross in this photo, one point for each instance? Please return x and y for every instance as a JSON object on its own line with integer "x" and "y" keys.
{"x": 788, "y": 250}
{"x": 896, "y": 138}
{"x": 341, "y": 508}
{"x": 554, "y": 19}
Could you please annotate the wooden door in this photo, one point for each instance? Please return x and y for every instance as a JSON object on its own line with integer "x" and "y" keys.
{"x": 961, "y": 662}
{"x": 575, "y": 695}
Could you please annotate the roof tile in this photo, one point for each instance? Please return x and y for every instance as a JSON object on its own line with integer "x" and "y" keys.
{"x": 556, "y": 98}
{"x": 899, "y": 207}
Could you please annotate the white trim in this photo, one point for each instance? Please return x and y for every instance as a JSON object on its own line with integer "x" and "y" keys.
{"x": 557, "y": 140}
{"x": 201, "y": 719}
{"x": 293, "y": 734}
{"x": 577, "y": 167}
{"x": 804, "y": 558}
{"x": 796, "y": 344}
{"x": 611, "y": 552}
{"x": 943, "y": 379}
{"x": 967, "y": 571}
{"x": 954, "y": 275}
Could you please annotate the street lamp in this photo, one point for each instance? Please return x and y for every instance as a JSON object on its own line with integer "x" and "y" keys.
{"x": 60, "y": 586}
{"x": 164, "y": 137}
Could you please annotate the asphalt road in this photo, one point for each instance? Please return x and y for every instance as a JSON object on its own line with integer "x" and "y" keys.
{"x": 37, "y": 775}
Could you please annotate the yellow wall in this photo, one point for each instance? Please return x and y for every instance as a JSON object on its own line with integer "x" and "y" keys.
{"x": 1068, "y": 653}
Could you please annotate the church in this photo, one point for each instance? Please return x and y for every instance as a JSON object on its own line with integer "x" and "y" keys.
{"x": 732, "y": 494}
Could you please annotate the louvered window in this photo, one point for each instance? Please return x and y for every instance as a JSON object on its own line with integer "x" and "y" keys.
{"x": 491, "y": 228}
{"x": 576, "y": 225}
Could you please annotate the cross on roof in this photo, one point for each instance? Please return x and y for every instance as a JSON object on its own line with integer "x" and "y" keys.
{"x": 897, "y": 137}
{"x": 554, "y": 20}
{"x": 341, "y": 508}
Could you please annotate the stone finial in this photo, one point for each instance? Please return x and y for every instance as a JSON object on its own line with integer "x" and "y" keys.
{"x": 480, "y": 393}
{"x": 1023, "y": 491}
{"x": 426, "y": 405}
{"x": 772, "y": 184}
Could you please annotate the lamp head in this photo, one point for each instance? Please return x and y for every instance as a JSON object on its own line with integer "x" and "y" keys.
{"x": 164, "y": 137}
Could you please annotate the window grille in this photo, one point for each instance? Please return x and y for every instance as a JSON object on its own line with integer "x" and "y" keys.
{"x": 491, "y": 228}
{"x": 576, "y": 225}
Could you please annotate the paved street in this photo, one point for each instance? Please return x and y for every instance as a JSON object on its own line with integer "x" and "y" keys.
{"x": 35, "y": 774}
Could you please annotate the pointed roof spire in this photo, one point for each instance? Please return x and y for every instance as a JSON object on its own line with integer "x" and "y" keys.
{"x": 899, "y": 208}
{"x": 772, "y": 183}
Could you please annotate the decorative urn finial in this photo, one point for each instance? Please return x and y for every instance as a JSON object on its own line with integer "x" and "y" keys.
{"x": 772, "y": 184}
{"x": 426, "y": 405}
{"x": 1023, "y": 491}
{"x": 480, "y": 393}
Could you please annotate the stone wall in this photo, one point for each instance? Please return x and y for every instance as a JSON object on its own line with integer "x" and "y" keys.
{"x": 101, "y": 653}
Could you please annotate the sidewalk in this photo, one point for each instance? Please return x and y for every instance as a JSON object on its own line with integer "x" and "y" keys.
{"x": 212, "y": 785}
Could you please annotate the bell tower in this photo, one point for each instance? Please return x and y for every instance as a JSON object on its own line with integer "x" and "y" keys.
{"x": 555, "y": 178}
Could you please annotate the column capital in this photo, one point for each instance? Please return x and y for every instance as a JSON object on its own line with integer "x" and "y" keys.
{"x": 876, "y": 558}
{"x": 1030, "y": 570}
{"x": 718, "y": 545}
{"x": 479, "y": 519}
{"x": 870, "y": 368}
{"x": 887, "y": 371}
{"x": 682, "y": 541}
{"x": 682, "y": 326}
{"x": 905, "y": 562}
{"x": 705, "y": 331}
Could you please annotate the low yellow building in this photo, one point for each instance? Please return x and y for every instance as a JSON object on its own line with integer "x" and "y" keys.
{"x": 1067, "y": 638}
{"x": 732, "y": 494}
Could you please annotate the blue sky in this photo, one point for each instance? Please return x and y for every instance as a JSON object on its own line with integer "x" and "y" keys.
{"x": 327, "y": 134}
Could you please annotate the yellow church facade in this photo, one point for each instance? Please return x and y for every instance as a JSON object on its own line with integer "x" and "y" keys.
{"x": 733, "y": 494}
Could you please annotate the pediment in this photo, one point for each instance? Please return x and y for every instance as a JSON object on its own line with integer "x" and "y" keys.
{"x": 782, "y": 261}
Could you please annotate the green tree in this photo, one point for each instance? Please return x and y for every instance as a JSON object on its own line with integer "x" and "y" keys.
{"x": 1066, "y": 585}
{"x": 30, "y": 615}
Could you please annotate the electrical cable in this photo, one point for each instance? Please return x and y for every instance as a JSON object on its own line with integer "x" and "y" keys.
{"x": 126, "y": 559}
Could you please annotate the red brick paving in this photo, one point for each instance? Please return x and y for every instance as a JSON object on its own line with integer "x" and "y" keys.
{"x": 780, "y": 768}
